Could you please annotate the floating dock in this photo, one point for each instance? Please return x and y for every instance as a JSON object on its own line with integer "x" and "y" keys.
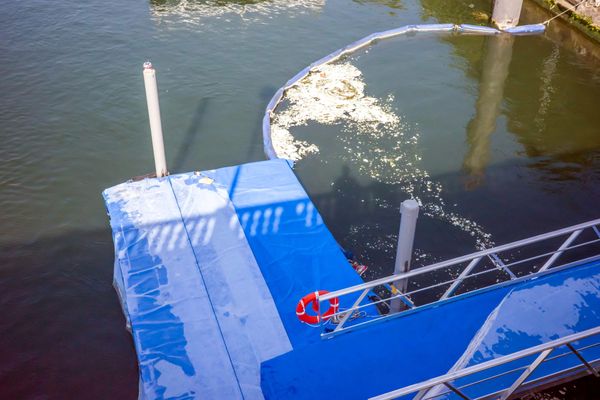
{"x": 210, "y": 266}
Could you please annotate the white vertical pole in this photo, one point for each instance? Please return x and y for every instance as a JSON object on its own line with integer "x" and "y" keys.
{"x": 158, "y": 146}
{"x": 409, "y": 211}
{"x": 506, "y": 13}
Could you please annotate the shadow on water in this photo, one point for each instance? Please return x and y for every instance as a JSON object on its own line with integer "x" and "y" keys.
{"x": 255, "y": 149}
{"x": 191, "y": 136}
{"x": 66, "y": 336}
{"x": 365, "y": 217}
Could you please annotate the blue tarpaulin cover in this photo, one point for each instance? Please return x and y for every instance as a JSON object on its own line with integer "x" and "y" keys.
{"x": 435, "y": 340}
{"x": 209, "y": 268}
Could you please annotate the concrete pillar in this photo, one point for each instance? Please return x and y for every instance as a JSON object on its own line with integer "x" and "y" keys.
{"x": 506, "y": 13}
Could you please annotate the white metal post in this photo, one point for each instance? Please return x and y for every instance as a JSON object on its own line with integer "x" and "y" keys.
{"x": 158, "y": 146}
{"x": 506, "y": 13}
{"x": 409, "y": 211}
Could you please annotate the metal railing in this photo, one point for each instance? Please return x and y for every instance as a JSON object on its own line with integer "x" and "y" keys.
{"x": 462, "y": 270}
{"x": 541, "y": 354}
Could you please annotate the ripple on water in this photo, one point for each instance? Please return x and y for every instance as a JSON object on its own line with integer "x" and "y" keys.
{"x": 196, "y": 12}
{"x": 374, "y": 138}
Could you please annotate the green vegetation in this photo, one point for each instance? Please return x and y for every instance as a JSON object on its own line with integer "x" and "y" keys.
{"x": 586, "y": 22}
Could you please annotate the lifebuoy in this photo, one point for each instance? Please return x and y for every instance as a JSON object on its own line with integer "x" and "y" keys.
{"x": 334, "y": 305}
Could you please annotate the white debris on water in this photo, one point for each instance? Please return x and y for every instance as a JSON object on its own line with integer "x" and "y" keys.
{"x": 195, "y": 12}
{"x": 288, "y": 147}
{"x": 329, "y": 95}
{"x": 375, "y": 139}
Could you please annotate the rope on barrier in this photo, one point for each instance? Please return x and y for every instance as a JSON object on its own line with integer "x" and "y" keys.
{"x": 546, "y": 22}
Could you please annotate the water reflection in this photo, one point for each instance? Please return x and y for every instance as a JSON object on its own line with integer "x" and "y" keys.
{"x": 550, "y": 109}
{"x": 474, "y": 11}
{"x": 496, "y": 63}
{"x": 393, "y": 4}
{"x": 196, "y": 11}
{"x": 549, "y": 88}
{"x": 546, "y": 88}
{"x": 562, "y": 34}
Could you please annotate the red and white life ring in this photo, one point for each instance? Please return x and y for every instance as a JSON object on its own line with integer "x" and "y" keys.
{"x": 334, "y": 305}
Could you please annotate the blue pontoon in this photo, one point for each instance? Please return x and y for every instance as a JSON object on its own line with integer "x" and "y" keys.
{"x": 210, "y": 267}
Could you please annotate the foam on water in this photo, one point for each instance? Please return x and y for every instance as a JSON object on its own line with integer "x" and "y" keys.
{"x": 374, "y": 138}
{"x": 331, "y": 94}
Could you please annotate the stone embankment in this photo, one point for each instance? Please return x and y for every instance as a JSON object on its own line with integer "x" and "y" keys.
{"x": 585, "y": 14}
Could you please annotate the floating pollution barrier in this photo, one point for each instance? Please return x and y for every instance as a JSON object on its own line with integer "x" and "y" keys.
{"x": 376, "y": 139}
{"x": 234, "y": 288}
{"x": 269, "y": 147}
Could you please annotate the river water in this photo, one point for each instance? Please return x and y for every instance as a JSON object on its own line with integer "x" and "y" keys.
{"x": 493, "y": 166}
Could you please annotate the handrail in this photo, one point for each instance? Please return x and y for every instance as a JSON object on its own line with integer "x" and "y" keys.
{"x": 459, "y": 260}
{"x": 342, "y": 317}
{"x": 542, "y": 349}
